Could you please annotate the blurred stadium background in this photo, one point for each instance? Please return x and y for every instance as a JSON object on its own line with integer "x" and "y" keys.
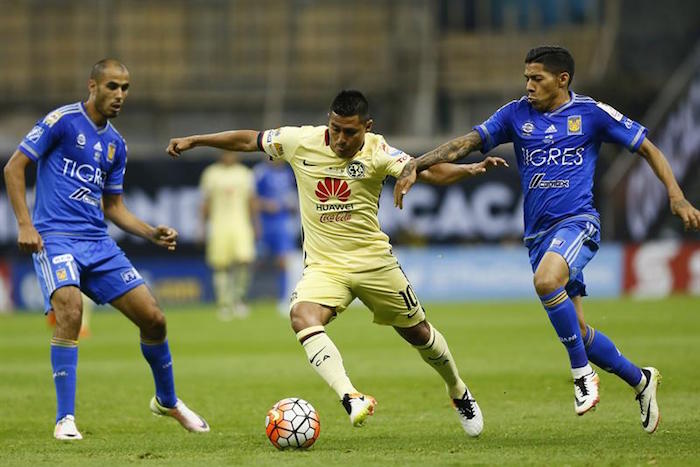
{"x": 431, "y": 69}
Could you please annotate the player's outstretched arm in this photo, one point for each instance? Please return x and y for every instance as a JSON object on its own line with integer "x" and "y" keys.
{"x": 117, "y": 212}
{"x": 234, "y": 140}
{"x": 446, "y": 173}
{"x": 679, "y": 205}
{"x": 28, "y": 239}
{"x": 451, "y": 151}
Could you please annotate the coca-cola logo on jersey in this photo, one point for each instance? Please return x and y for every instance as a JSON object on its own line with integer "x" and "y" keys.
{"x": 330, "y": 188}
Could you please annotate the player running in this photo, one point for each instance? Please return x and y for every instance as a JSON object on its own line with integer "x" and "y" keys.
{"x": 340, "y": 170}
{"x": 80, "y": 161}
{"x": 557, "y": 135}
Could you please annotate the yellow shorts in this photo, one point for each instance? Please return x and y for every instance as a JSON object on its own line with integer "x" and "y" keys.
{"x": 224, "y": 250}
{"x": 385, "y": 291}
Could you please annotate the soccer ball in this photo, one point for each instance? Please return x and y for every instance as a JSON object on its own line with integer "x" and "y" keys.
{"x": 292, "y": 423}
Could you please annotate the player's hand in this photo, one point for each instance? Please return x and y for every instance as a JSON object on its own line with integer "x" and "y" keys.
{"x": 165, "y": 236}
{"x": 404, "y": 183}
{"x": 687, "y": 212}
{"x": 29, "y": 240}
{"x": 178, "y": 145}
{"x": 488, "y": 163}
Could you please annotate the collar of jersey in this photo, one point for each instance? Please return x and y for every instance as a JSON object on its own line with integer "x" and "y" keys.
{"x": 565, "y": 105}
{"x": 98, "y": 129}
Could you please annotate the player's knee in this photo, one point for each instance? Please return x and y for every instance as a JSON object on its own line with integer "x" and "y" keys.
{"x": 416, "y": 335}
{"x": 154, "y": 327}
{"x": 545, "y": 283}
{"x": 304, "y": 316}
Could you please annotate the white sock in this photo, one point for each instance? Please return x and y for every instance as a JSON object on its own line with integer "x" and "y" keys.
{"x": 437, "y": 354}
{"x": 581, "y": 371}
{"x": 325, "y": 358}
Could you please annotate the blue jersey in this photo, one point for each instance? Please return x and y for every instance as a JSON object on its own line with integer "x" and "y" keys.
{"x": 557, "y": 152}
{"x": 275, "y": 182}
{"x": 76, "y": 163}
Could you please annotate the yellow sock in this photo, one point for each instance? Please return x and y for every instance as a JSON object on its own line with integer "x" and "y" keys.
{"x": 326, "y": 360}
{"x": 437, "y": 354}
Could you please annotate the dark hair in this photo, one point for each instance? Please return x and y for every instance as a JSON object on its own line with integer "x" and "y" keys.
{"x": 99, "y": 68}
{"x": 351, "y": 102}
{"x": 555, "y": 59}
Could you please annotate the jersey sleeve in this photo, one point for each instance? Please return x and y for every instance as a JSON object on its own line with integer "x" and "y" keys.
{"x": 391, "y": 161}
{"x": 495, "y": 130}
{"x": 43, "y": 137}
{"x": 280, "y": 143}
{"x": 616, "y": 128}
{"x": 114, "y": 184}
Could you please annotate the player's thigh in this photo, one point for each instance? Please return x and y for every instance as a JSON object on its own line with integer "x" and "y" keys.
{"x": 390, "y": 296}
{"x": 332, "y": 290}
{"x": 141, "y": 307}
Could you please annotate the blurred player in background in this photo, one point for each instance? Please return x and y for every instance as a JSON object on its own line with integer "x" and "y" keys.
{"x": 229, "y": 212}
{"x": 81, "y": 160}
{"x": 277, "y": 204}
{"x": 340, "y": 170}
{"x": 557, "y": 135}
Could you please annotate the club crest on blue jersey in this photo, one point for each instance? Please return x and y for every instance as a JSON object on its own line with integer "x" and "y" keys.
{"x": 574, "y": 125}
{"x": 111, "y": 149}
{"x": 61, "y": 274}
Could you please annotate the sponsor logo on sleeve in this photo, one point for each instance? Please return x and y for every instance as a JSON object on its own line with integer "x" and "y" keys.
{"x": 34, "y": 134}
{"x": 574, "y": 125}
{"x": 610, "y": 111}
{"x": 52, "y": 118}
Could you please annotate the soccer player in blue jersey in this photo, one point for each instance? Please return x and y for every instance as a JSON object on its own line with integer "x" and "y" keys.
{"x": 277, "y": 199}
{"x": 80, "y": 159}
{"x": 557, "y": 135}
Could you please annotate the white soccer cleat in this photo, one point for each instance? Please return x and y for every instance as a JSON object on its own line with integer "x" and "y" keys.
{"x": 469, "y": 414}
{"x": 183, "y": 414}
{"x": 359, "y": 407}
{"x": 586, "y": 394}
{"x": 648, "y": 406}
{"x": 66, "y": 429}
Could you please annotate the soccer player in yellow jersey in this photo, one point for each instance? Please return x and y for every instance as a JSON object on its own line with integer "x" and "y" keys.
{"x": 340, "y": 170}
{"x": 228, "y": 209}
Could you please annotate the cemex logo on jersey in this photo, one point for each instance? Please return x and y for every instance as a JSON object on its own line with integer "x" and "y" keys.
{"x": 332, "y": 188}
{"x": 538, "y": 181}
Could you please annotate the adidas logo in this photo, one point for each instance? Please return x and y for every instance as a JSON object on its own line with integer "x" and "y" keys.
{"x": 551, "y": 129}
{"x": 97, "y": 146}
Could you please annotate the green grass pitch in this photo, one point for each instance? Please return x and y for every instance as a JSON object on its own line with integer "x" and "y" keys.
{"x": 233, "y": 372}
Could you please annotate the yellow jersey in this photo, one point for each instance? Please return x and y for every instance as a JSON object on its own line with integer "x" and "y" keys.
{"x": 338, "y": 198}
{"x": 228, "y": 190}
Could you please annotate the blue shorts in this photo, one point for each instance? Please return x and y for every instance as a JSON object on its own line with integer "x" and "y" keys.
{"x": 576, "y": 240}
{"x": 98, "y": 267}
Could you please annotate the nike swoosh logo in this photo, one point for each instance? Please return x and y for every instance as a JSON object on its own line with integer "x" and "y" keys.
{"x": 303, "y": 161}
{"x": 578, "y": 402}
{"x": 311, "y": 360}
{"x": 646, "y": 420}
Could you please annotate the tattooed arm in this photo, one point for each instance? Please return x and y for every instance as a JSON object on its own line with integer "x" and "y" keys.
{"x": 449, "y": 152}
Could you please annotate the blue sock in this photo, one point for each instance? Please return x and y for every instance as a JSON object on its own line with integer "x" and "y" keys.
{"x": 158, "y": 356}
{"x": 282, "y": 285}
{"x": 64, "y": 362}
{"x": 601, "y": 351}
{"x": 562, "y": 314}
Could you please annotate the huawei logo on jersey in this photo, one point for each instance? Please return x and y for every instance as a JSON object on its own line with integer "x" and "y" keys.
{"x": 332, "y": 188}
